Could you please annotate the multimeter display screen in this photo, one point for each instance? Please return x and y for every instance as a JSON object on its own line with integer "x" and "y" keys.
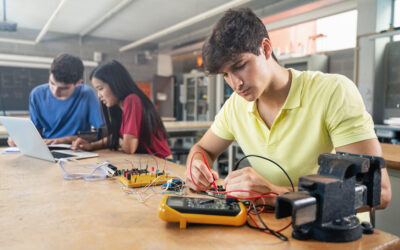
{"x": 175, "y": 202}
{"x": 194, "y": 205}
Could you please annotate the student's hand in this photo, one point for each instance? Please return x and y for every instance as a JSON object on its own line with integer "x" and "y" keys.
{"x": 11, "y": 142}
{"x": 201, "y": 176}
{"x": 52, "y": 141}
{"x": 61, "y": 140}
{"x": 81, "y": 144}
{"x": 248, "y": 179}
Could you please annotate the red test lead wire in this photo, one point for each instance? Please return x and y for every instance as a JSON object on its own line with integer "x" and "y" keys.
{"x": 205, "y": 161}
{"x": 209, "y": 169}
{"x": 257, "y": 195}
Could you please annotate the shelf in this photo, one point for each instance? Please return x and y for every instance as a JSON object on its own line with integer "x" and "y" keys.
{"x": 384, "y": 34}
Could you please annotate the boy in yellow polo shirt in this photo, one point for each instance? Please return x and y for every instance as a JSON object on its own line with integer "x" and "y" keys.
{"x": 288, "y": 116}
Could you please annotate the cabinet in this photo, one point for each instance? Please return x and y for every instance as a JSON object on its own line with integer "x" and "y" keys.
{"x": 198, "y": 97}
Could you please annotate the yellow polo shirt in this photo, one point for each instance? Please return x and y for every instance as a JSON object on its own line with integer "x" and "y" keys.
{"x": 321, "y": 112}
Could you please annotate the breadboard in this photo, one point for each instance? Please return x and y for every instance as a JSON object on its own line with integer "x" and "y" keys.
{"x": 144, "y": 179}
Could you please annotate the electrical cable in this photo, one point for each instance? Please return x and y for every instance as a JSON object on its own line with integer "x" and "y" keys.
{"x": 257, "y": 195}
{"x": 264, "y": 207}
{"x": 151, "y": 156}
{"x": 265, "y": 158}
{"x": 256, "y": 227}
{"x": 141, "y": 193}
{"x": 266, "y": 228}
{"x": 162, "y": 157}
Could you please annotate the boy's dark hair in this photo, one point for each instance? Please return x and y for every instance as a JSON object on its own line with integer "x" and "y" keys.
{"x": 67, "y": 69}
{"x": 238, "y": 31}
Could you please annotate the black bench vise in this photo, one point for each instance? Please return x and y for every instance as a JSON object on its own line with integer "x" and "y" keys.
{"x": 326, "y": 204}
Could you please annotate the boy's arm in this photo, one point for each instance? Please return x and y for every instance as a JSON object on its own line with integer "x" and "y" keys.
{"x": 211, "y": 146}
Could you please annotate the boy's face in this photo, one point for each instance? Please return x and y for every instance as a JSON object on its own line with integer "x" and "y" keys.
{"x": 248, "y": 75}
{"x": 60, "y": 90}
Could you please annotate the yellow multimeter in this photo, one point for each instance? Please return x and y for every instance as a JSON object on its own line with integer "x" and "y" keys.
{"x": 201, "y": 210}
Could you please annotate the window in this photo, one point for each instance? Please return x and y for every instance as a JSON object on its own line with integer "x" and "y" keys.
{"x": 294, "y": 40}
{"x": 396, "y": 21}
{"x": 340, "y": 31}
{"x": 334, "y": 32}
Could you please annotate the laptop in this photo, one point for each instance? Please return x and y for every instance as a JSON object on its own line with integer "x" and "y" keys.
{"x": 30, "y": 142}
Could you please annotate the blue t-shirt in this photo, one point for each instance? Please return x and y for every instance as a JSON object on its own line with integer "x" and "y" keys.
{"x": 56, "y": 118}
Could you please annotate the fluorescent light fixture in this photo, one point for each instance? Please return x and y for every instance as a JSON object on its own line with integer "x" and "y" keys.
{"x": 185, "y": 23}
{"x": 33, "y": 61}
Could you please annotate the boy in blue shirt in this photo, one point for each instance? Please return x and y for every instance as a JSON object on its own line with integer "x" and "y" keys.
{"x": 64, "y": 106}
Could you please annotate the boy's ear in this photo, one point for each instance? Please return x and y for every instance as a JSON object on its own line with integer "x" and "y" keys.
{"x": 266, "y": 48}
{"x": 78, "y": 83}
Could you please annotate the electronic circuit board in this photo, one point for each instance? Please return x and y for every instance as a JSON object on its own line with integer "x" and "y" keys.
{"x": 210, "y": 192}
{"x": 142, "y": 177}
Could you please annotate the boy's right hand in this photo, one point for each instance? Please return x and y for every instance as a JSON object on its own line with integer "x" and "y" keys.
{"x": 11, "y": 142}
{"x": 201, "y": 176}
{"x": 81, "y": 144}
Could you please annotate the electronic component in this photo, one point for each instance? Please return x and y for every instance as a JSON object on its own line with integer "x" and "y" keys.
{"x": 220, "y": 188}
{"x": 174, "y": 185}
{"x": 111, "y": 170}
{"x": 141, "y": 177}
{"x": 201, "y": 210}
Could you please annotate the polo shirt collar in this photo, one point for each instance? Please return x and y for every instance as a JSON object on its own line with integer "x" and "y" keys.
{"x": 293, "y": 99}
{"x": 251, "y": 107}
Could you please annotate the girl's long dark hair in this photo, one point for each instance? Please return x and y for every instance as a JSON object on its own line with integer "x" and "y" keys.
{"x": 121, "y": 84}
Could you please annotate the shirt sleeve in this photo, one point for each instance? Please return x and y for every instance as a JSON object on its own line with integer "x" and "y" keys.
{"x": 33, "y": 112}
{"x": 347, "y": 121}
{"x": 132, "y": 115}
{"x": 96, "y": 118}
{"x": 220, "y": 126}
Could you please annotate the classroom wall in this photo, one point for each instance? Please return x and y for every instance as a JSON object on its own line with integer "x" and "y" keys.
{"x": 373, "y": 16}
{"x": 388, "y": 220}
{"x": 54, "y": 43}
{"x": 341, "y": 62}
{"x": 185, "y": 63}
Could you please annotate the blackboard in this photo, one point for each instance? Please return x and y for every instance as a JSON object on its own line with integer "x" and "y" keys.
{"x": 15, "y": 85}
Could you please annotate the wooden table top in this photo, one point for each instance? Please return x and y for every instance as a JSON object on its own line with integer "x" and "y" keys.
{"x": 168, "y": 119}
{"x": 187, "y": 125}
{"x": 39, "y": 209}
{"x": 170, "y": 126}
{"x": 391, "y": 154}
{"x": 3, "y": 130}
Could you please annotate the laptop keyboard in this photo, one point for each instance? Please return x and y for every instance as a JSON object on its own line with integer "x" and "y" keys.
{"x": 59, "y": 155}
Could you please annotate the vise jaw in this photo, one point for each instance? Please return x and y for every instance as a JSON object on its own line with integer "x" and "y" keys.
{"x": 326, "y": 204}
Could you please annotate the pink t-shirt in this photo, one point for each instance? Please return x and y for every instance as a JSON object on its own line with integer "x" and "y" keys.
{"x": 131, "y": 124}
